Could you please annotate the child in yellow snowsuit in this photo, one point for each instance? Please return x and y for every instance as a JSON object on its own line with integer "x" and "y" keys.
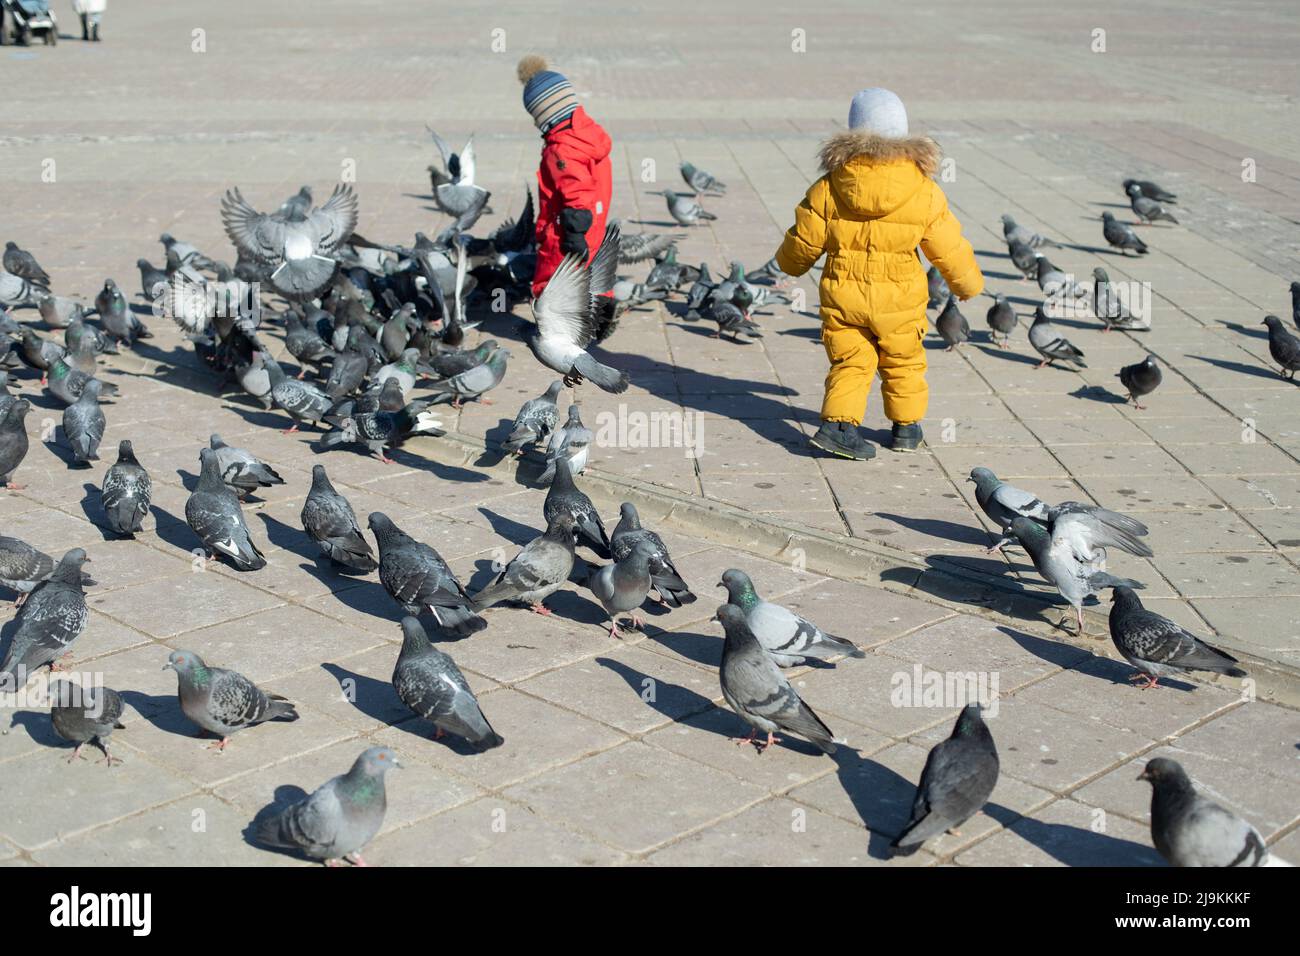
{"x": 873, "y": 207}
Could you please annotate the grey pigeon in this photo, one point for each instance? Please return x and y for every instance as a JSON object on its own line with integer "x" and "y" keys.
{"x": 564, "y": 495}
{"x": 304, "y": 344}
{"x": 1150, "y": 190}
{"x": 571, "y": 442}
{"x": 81, "y": 714}
{"x": 58, "y": 312}
{"x": 1121, "y": 236}
{"x": 380, "y": 429}
{"x": 475, "y": 382}
{"x": 758, "y": 692}
{"x": 396, "y": 333}
{"x": 1283, "y": 346}
{"x": 701, "y": 181}
{"x": 78, "y": 330}
{"x": 429, "y": 682}
{"x": 1012, "y": 232}
{"x": 448, "y": 363}
{"x": 22, "y": 567}
{"x": 40, "y": 353}
{"x": 304, "y": 402}
{"x": 1157, "y": 646}
{"x": 952, "y": 325}
{"x": 222, "y": 701}
{"x": 298, "y": 205}
{"x": 787, "y": 637}
{"x": 418, "y": 578}
{"x": 67, "y": 382}
{"x": 536, "y": 572}
{"x": 241, "y": 469}
{"x": 185, "y": 252}
{"x": 127, "y": 492}
{"x": 768, "y": 271}
{"x": 330, "y": 521}
{"x": 1147, "y": 210}
{"x": 15, "y": 290}
{"x": 1110, "y": 309}
{"x": 685, "y": 210}
{"x": 84, "y": 424}
{"x": 1055, "y": 282}
{"x": 13, "y": 442}
{"x": 1048, "y": 342}
{"x": 536, "y": 420}
{"x": 118, "y": 322}
{"x": 664, "y": 575}
{"x": 454, "y": 190}
{"x": 624, "y": 585}
{"x": 213, "y": 513}
{"x": 23, "y": 264}
{"x": 153, "y": 281}
{"x": 1024, "y": 258}
{"x": 938, "y": 288}
{"x": 337, "y": 820}
{"x": 667, "y": 273}
{"x": 52, "y": 617}
{"x": 403, "y": 369}
{"x": 699, "y": 292}
{"x": 638, "y": 247}
{"x": 958, "y": 779}
{"x": 1075, "y": 576}
{"x": 1002, "y": 321}
{"x": 255, "y": 378}
{"x": 1190, "y": 829}
{"x": 347, "y": 372}
{"x": 732, "y": 319}
{"x": 1141, "y": 378}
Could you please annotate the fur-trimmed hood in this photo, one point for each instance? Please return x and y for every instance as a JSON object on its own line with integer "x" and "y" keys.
{"x": 873, "y": 175}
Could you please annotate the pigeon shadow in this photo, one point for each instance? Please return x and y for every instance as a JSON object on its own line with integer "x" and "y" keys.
{"x": 296, "y": 541}
{"x": 1010, "y": 355}
{"x": 285, "y": 796}
{"x": 1245, "y": 330}
{"x": 516, "y": 532}
{"x": 373, "y": 697}
{"x": 1241, "y": 367}
{"x": 704, "y": 649}
{"x": 1053, "y": 652}
{"x": 1001, "y": 275}
{"x": 1080, "y": 846}
{"x": 938, "y": 528}
{"x": 672, "y": 700}
{"x": 38, "y": 726}
{"x": 882, "y": 798}
{"x": 1109, "y": 205}
{"x": 1098, "y": 393}
{"x": 92, "y": 506}
{"x": 174, "y": 531}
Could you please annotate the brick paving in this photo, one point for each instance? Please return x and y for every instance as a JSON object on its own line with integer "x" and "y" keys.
{"x": 617, "y": 751}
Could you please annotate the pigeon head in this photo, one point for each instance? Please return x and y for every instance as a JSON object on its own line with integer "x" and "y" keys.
{"x": 1166, "y": 772}
{"x": 384, "y": 528}
{"x": 110, "y": 285}
{"x": 729, "y": 615}
{"x": 143, "y": 263}
{"x": 1099, "y": 273}
{"x": 319, "y": 480}
{"x": 740, "y": 589}
{"x": 414, "y": 636}
{"x": 166, "y": 239}
{"x": 17, "y": 412}
{"x": 69, "y": 569}
{"x": 1107, "y": 217}
{"x": 376, "y": 762}
{"x": 1027, "y": 529}
{"x": 92, "y": 389}
{"x": 562, "y": 525}
{"x": 575, "y": 414}
{"x": 627, "y": 512}
{"x": 125, "y": 451}
{"x": 10, "y": 245}
{"x": 1133, "y": 189}
{"x": 1008, "y": 222}
{"x": 984, "y": 478}
{"x": 670, "y": 196}
{"x": 1295, "y": 288}
{"x": 185, "y": 663}
{"x": 1273, "y": 322}
{"x": 215, "y": 442}
{"x": 1125, "y": 597}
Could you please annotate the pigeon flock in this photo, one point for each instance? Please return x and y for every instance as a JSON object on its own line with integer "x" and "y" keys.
{"x": 369, "y": 323}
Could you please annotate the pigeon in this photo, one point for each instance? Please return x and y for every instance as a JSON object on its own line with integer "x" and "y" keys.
{"x": 403, "y": 369}
{"x": 417, "y": 578}
{"x": 77, "y": 330}
{"x": 126, "y": 492}
{"x": 638, "y": 247}
{"x": 330, "y": 521}
{"x": 304, "y": 402}
{"x": 1074, "y": 576}
{"x": 15, "y": 290}
{"x": 1024, "y": 258}
{"x": 304, "y": 343}
{"x": 84, "y": 424}
{"x": 118, "y": 322}
{"x": 13, "y": 442}
{"x": 1295, "y": 303}
{"x": 1048, "y": 342}
{"x": 732, "y": 319}
{"x": 1150, "y": 190}
{"x": 66, "y": 382}
{"x": 1141, "y": 378}
{"x": 22, "y": 567}
{"x": 566, "y": 326}
{"x": 536, "y": 572}
{"x": 685, "y": 210}
{"x": 664, "y": 576}
{"x": 952, "y": 325}
{"x": 185, "y": 253}
{"x": 23, "y": 264}
{"x": 958, "y": 779}
{"x": 347, "y": 372}
{"x": 564, "y": 495}
{"x": 241, "y": 469}
{"x": 571, "y": 442}
{"x": 454, "y": 190}
{"x": 1121, "y": 236}
{"x": 758, "y": 692}
{"x": 1190, "y": 829}
{"x": 1110, "y": 309}
{"x": 536, "y": 420}
{"x": 1147, "y": 210}
{"x": 699, "y": 292}
{"x": 1055, "y": 282}
{"x": 476, "y": 382}
{"x": 1283, "y": 346}
{"x": 40, "y": 353}
{"x": 1012, "y": 232}
{"x": 429, "y": 682}
{"x": 381, "y": 429}
{"x": 298, "y": 205}
{"x": 213, "y": 513}
{"x": 768, "y": 271}
{"x": 1158, "y": 647}
{"x": 625, "y": 584}
{"x": 788, "y": 638}
{"x": 1002, "y": 321}
{"x": 938, "y": 288}
{"x": 699, "y": 180}
{"x": 52, "y": 617}
{"x": 337, "y": 820}
{"x": 153, "y": 281}
{"x": 59, "y": 312}
{"x": 81, "y": 714}
{"x": 222, "y": 701}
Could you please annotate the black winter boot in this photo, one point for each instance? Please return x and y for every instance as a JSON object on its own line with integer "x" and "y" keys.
{"x": 843, "y": 439}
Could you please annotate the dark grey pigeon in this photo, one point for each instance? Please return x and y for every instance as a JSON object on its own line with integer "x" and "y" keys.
{"x": 84, "y": 424}
{"x": 336, "y": 821}
{"x": 536, "y": 572}
{"x": 347, "y": 372}
{"x": 153, "y": 281}
{"x": 241, "y": 469}
{"x": 330, "y": 521}
{"x": 418, "y": 578}
{"x": 952, "y": 325}
{"x": 1110, "y": 309}
{"x": 536, "y": 420}
{"x": 787, "y": 637}
{"x": 13, "y": 442}
{"x": 1157, "y": 646}
{"x": 52, "y": 617}
{"x": 429, "y": 682}
{"x": 1141, "y": 378}
{"x": 380, "y": 429}
{"x": 1048, "y": 342}
{"x": 938, "y": 288}
{"x": 699, "y": 291}
{"x": 758, "y": 692}
{"x": 126, "y": 492}
{"x": 448, "y": 363}
{"x": 117, "y": 321}
{"x": 1002, "y": 321}
{"x": 40, "y": 353}
{"x": 564, "y": 495}
{"x": 624, "y": 585}
{"x": 1055, "y": 281}
{"x": 1121, "y": 236}
{"x": 685, "y": 210}
{"x": 304, "y": 344}
{"x": 1147, "y": 210}
{"x": 84, "y": 714}
{"x": 1283, "y": 346}
{"x": 667, "y": 581}
{"x": 1024, "y": 258}
{"x": 1189, "y": 829}
{"x": 213, "y": 513}
{"x": 23, "y": 264}
{"x": 22, "y": 567}
{"x": 1150, "y": 190}
{"x": 1012, "y": 232}
{"x": 732, "y": 320}
{"x": 304, "y": 402}
{"x": 701, "y": 181}
{"x": 957, "y": 781}
{"x": 222, "y": 701}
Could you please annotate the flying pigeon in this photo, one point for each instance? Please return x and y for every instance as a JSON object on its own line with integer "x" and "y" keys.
{"x": 213, "y": 513}
{"x": 536, "y": 572}
{"x": 564, "y": 495}
{"x": 1140, "y": 379}
{"x": 685, "y": 210}
{"x": 84, "y": 424}
{"x": 624, "y": 585}
{"x": 1150, "y": 190}
{"x": 536, "y": 420}
{"x": 13, "y": 442}
{"x": 1048, "y": 342}
{"x": 455, "y": 192}
{"x": 1121, "y": 236}
{"x": 571, "y": 442}
{"x": 787, "y": 637}
{"x": 1283, "y": 346}
{"x": 418, "y": 578}
{"x": 638, "y": 247}
{"x": 330, "y": 521}
{"x": 81, "y": 714}
{"x": 952, "y": 325}
{"x": 1147, "y": 210}
{"x": 667, "y": 580}
{"x": 1158, "y": 647}
{"x": 126, "y": 492}
{"x": 52, "y": 617}
{"x": 429, "y": 682}
{"x": 222, "y": 701}
{"x": 698, "y": 180}
{"x": 1002, "y": 321}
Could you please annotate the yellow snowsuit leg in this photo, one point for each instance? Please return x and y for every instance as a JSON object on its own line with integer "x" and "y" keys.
{"x": 858, "y": 352}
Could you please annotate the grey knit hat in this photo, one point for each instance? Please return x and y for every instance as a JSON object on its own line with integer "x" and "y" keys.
{"x": 877, "y": 110}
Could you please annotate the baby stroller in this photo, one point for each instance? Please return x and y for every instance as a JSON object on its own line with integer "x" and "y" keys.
{"x": 28, "y": 18}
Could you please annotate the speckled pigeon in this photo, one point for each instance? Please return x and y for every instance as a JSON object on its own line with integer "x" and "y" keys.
{"x": 241, "y": 469}
{"x": 84, "y": 424}
{"x": 380, "y": 429}
{"x": 571, "y": 442}
{"x": 429, "y": 682}
{"x": 786, "y": 636}
{"x": 328, "y": 518}
{"x": 418, "y": 578}
{"x": 667, "y": 581}
{"x": 536, "y": 420}
{"x": 564, "y": 495}
{"x": 22, "y": 567}
{"x": 1157, "y": 646}
{"x": 304, "y": 402}
{"x": 213, "y": 513}
{"x": 536, "y": 572}
{"x": 221, "y": 701}
{"x": 81, "y": 714}
{"x": 52, "y": 617}
{"x": 126, "y": 492}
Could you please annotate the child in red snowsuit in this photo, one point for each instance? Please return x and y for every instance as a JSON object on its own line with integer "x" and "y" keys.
{"x": 574, "y": 180}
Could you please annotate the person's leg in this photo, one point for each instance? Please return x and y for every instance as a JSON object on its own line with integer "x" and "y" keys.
{"x": 902, "y": 382}
{"x": 85, "y": 26}
{"x": 852, "y": 355}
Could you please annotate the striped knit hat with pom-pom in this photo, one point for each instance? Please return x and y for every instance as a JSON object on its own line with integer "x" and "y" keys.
{"x": 548, "y": 96}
